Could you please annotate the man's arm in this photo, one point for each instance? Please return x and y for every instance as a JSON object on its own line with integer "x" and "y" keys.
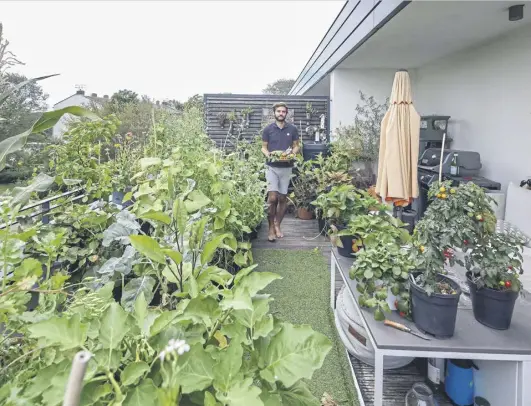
{"x": 265, "y": 151}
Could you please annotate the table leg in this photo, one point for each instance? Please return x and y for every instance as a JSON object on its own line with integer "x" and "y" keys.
{"x": 523, "y": 391}
{"x": 378, "y": 378}
{"x": 333, "y": 282}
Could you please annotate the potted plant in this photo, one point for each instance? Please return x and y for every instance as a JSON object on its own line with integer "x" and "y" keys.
{"x": 356, "y": 203}
{"x": 455, "y": 219}
{"x": 494, "y": 266}
{"x": 222, "y": 118}
{"x": 381, "y": 271}
{"x": 304, "y": 194}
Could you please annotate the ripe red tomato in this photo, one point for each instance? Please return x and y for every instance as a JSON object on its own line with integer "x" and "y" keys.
{"x": 508, "y": 284}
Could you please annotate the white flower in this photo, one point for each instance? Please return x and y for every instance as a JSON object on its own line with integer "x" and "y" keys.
{"x": 174, "y": 346}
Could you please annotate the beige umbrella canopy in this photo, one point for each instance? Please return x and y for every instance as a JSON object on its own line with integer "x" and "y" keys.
{"x": 399, "y": 146}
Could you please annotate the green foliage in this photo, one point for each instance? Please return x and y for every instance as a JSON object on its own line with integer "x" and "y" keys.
{"x": 16, "y": 111}
{"x": 458, "y": 217}
{"x": 165, "y": 321}
{"x": 279, "y": 87}
{"x": 496, "y": 260}
{"x": 361, "y": 140}
{"x": 381, "y": 268}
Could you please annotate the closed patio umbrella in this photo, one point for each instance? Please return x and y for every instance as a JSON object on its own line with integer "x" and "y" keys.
{"x": 399, "y": 146}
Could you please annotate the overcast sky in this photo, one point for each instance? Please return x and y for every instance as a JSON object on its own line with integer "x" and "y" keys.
{"x": 167, "y": 49}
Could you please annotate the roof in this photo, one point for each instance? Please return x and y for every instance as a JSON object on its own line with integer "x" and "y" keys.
{"x": 92, "y": 98}
{"x": 357, "y": 21}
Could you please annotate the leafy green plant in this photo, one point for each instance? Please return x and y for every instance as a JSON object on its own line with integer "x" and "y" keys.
{"x": 457, "y": 217}
{"x": 304, "y": 190}
{"x": 380, "y": 269}
{"x": 376, "y": 228}
{"x": 496, "y": 262}
{"x": 84, "y": 154}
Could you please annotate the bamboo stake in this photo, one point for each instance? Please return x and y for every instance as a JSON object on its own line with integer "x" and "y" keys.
{"x": 75, "y": 380}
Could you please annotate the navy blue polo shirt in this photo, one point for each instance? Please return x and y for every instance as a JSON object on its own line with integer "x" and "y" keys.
{"x": 280, "y": 139}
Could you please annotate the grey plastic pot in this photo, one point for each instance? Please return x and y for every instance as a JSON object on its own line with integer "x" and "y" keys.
{"x": 492, "y": 308}
{"x": 435, "y": 314}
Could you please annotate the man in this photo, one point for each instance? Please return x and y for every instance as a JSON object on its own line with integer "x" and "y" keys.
{"x": 278, "y": 136}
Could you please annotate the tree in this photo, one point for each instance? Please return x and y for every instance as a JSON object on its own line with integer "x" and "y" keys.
{"x": 194, "y": 101}
{"x": 123, "y": 97}
{"x": 18, "y": 110}
{"x": 280, "y": 86}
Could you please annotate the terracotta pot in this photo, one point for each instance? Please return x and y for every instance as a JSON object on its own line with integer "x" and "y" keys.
{"x": 304, "y": 214}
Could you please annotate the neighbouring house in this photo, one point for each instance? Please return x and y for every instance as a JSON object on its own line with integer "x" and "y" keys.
{"x": 466, "y": 60}
{"x": 77, "y": 99}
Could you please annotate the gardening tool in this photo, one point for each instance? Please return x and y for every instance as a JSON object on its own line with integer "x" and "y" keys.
{"x": 406, "y": 329}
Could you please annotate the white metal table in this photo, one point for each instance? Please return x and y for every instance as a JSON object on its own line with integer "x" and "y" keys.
{"x": 471, "y": 340}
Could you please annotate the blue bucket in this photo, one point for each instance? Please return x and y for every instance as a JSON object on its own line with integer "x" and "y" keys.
{"x": 459, "y": 381}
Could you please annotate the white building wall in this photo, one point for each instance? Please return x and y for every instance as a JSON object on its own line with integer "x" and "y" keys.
{"x": 486, "y": 91}
{"x": 345, "y": 86}
{"x": 75, "y": 100}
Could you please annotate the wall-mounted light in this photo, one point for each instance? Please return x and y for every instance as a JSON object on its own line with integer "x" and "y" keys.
{"x": 516, "y": 13}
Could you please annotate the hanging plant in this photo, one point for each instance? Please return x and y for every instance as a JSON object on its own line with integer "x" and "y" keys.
{"x": 222, "y": 118}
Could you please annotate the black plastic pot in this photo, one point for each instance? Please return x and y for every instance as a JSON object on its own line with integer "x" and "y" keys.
{"x": 492, "y": 308}
{"x": 435, "y": 314}
{"x": 346, "y": 241}
{"x": 323, "y": 226}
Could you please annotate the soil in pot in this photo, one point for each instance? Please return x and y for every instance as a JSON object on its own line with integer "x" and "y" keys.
{"x": 492, "y": 308}
{"x": 304, "y": 214}
{"x": 435, "y": 314}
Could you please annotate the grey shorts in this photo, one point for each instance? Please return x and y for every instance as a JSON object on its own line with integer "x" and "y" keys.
{"x": 278, "y": 179}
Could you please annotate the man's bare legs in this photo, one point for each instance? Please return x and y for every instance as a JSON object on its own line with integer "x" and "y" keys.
{"x": 281, "y": 211}
{"x": 272, "y": 200}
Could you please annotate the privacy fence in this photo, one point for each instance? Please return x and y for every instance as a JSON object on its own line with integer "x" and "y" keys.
{"x": 229, "y": 117}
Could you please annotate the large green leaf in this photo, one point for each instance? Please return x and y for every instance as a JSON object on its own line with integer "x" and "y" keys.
{"x": 133, "y": 372}
{"x": 142, "y": 285}
{"x": 294, "y": 353}
{"x": 228, "y": 366}
{"x": 204, "y": 308}
{"x": 157, "y": 216}
{"x": 249, "y": 318}
{"x": 148, "y": 247}
{"x": 211, "y": 246}
{"x": 113, "y": 326}
{"x": 194, "y": 370}
{"x": 257, "y": 281}
{"x": 298, "y": 395}
{"x": 237, "y": 299}
{"x": 196, "y": 200}
{"x": 242, "y": 393}
{"x": 50, "y": 118}
{"x": 11, "y": 145}
{"x": 21, "y": 195}
{"x": 13, "y": 89}
{"x": 68, "y": 333}
{"x": 270, "y": 399}
{"x": 149, "y": 161}
{"x": 142, "y": 395}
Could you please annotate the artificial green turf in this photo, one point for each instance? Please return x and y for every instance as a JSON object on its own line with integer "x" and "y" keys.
{"x": 302, "y": 297}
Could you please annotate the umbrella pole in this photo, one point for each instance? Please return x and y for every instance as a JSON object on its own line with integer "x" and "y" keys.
{"x": 442, "y": 154}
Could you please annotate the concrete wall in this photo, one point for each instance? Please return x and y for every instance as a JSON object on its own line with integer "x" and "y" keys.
{"x": 345, "y": 86}
{"x": 75, "y": 100}
{"x": 486, "y": 91}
